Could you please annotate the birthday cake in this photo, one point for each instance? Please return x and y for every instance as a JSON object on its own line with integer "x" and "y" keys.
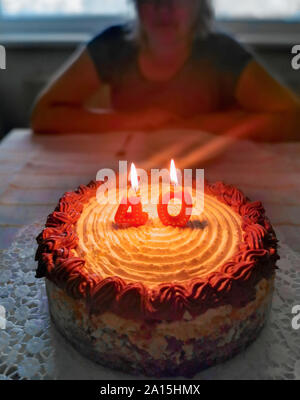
{"x": 158, "y": 300}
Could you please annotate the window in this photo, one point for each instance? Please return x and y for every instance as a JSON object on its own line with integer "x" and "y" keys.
{"x": 252, "y": 20}
{"x": 229, "y": 9}
{"x": 21, "y": 8}
{"x": 258, "y": 9}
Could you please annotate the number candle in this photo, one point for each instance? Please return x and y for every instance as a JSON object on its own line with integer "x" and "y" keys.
{"x": 186, "y": 203}
{"x": 136, "y": 217}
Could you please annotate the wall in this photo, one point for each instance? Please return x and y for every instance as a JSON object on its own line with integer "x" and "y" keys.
{"x": 30, "y": 66}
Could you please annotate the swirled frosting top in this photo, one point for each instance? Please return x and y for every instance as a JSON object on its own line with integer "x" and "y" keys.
{"x": 154, "y": 272}
{"x": 155, "y": 253}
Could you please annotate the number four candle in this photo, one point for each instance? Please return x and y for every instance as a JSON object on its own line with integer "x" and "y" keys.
{"x": 136, "y": 217}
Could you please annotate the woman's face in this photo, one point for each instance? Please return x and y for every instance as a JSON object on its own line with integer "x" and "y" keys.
{"x": 167, "y": 21}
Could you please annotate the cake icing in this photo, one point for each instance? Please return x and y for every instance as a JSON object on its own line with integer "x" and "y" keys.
{"x": 159, "y": 300}
{"x": 155, "y": 253}
{"x": 234, "y": 281}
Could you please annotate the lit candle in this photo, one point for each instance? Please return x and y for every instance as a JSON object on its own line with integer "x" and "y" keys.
{"x": 186, "y": 203}
{"x": 136, "y": 217}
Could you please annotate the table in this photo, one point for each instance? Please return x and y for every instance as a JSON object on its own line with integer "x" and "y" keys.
{"x": 36, "y": 170}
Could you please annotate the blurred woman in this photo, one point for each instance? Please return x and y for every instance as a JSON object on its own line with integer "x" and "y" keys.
{"x": 168, "y": 69}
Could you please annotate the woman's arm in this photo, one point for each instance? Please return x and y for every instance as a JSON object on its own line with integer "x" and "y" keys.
{"x": 60, "y": 108}
{"x": 65, "y": 95}
{"x": 267, "y": 111}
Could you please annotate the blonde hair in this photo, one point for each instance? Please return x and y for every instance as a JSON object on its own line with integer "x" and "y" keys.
{"x": 203, "y": 24}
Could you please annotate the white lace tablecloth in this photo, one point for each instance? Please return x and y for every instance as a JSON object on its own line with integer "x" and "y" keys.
{"x": 30, "y": 347}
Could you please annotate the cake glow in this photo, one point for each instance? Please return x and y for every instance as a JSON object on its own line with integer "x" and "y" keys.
{"x": 158, "y": 300}
{"x": 136, "y": 217}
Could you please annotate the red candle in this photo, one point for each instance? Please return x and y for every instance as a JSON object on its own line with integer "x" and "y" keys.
{"x": 186, "y": 203}
{"x": 136, "y": 217}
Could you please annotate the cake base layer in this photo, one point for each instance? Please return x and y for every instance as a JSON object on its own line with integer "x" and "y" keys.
{"x": 161, "y": 349}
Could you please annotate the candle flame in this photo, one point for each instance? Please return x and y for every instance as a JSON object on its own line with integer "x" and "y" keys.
{"x": 134, "y": 178}
{"x": 173, "y": 173}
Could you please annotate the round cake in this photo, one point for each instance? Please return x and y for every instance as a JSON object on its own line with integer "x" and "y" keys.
{"x": 159, "y": 300}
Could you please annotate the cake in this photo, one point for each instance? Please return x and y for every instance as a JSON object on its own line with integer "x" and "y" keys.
{"x": 157, "y": 300}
